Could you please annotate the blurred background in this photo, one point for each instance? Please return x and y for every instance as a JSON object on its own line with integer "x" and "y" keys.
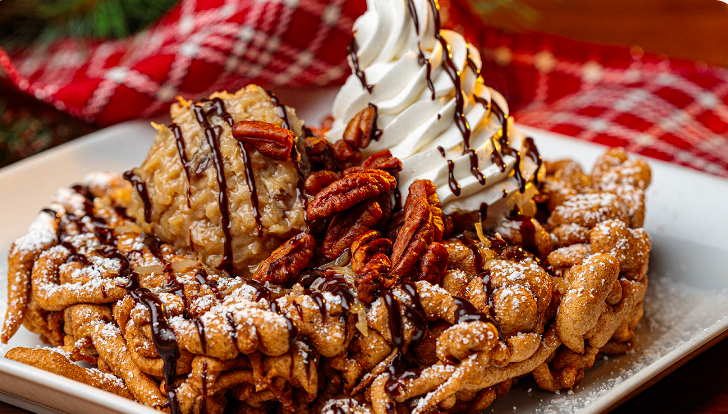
{"x": 694, "y": 30}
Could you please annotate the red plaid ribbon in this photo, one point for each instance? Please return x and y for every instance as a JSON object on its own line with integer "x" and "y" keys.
{"x": 663, "y": 108}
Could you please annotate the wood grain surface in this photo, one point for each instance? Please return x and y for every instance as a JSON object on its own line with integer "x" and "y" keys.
{"x": 695, "y": 30}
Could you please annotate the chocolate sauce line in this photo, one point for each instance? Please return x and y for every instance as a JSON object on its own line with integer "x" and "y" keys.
{"x": 141, "y": 189}
{"x": 415, "y": 314}
{"x": 451, "y": 181}
{"x": 467, "y": 312}
{"x": 471, "y": 63}
{"x": 212, "y": 135}
{"x": 459, "y": 115}
{"x": 397, "y": 195}
{"x": 182, "y": 151}
{"x": 376, "y": 133}
{"x": 295, "y": 156}
{"x": 250, "y": 179}
{"x": 422, "y": 60}
{"x": 338, "y": 286}
{"x": 164, "y": 339}
{"x": 220, "y": 111}
{"x": 352, "y": 50}
{"x": 201, "y": 333}
{"x": 532, "y": 152}
{"x": 395, "y": 320}
{"x": 264, "y": 293}
{"x": 75, "y": 255}
{"x": 483, "y": 212}
{"x": 57, "y": 219}
{"x": 203, "y": 401}
{"x": 413, "y": 13}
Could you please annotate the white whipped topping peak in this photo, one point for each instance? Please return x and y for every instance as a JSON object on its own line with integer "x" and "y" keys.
{"x": 434, "y": 110}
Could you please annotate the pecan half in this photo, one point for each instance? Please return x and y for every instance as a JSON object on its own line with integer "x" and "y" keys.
{"x": 359, "y": 131}
{"x": 383, "y": 160}
{"x": 347, "y": 226}
{"x": 346, "y": 155}
{"x": 414, "y": 236}
{"x": 348, "y": 191}
{"x": 318, "y": 180}
{"x": 287, "y": 261}
{"x": 394, "y": 224}
{"x": 364, "y": 249}
{"x": 434, "y": 263}
{"x": 320, "y": 154}
{"x": 427, "y": 190}
{"x": 269, "y": 139}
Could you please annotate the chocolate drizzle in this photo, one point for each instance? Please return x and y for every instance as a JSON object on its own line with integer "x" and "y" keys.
{"x": 295, "y": 156}
{"x": 318, "y": 299}
{"x": 75, "y": 255}
{"x": 471, "y": 63}
{"x": 466, "y": 312}
{"x": 397, "y": 195}
{"x": 212, "y": 135}
{"x": 201, "y": 333}
{"x": 474, "y": 166}
{"x": 250, "y": 179}
{"x": 395, "y": 320}
{"x": 496, "y": 158}
{"x": 483, "y": 212}
{"x": 397, "y": 375}
{"x": 57, "y": 219}
{"x": 451, "y": 181}
{"x": 532, "y": 152}
{"x": 203, "y": 397}
{"x": 180, "y": 141}
{"x": 292, "y": 331}
{"x": 164, "y": 339}
{"x": 141, "y": 189}
{"x": 422, "y": 60}
{"x": 376, "y": 133}
{"x": 220, "y": 111}
{"x": 414, "y": 313}
{"x": 413, "y": 13}
{"x": 352, "y": 49}
{"x": 262, "y": 292}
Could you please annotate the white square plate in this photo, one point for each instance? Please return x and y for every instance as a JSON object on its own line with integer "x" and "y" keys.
{"x": 686, "y": 308}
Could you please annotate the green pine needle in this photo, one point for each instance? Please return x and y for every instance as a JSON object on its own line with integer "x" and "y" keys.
{"x": 22, "y": 21}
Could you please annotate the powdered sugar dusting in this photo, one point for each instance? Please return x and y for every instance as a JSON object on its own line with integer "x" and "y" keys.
{"x": 675, "y": 312}
{"x": 42, "y": 232}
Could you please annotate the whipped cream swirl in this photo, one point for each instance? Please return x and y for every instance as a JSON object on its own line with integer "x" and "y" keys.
{"x": 434, "y": 111}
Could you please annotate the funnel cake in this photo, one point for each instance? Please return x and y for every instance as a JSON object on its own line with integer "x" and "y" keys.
{"x": 409, "y": 316}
